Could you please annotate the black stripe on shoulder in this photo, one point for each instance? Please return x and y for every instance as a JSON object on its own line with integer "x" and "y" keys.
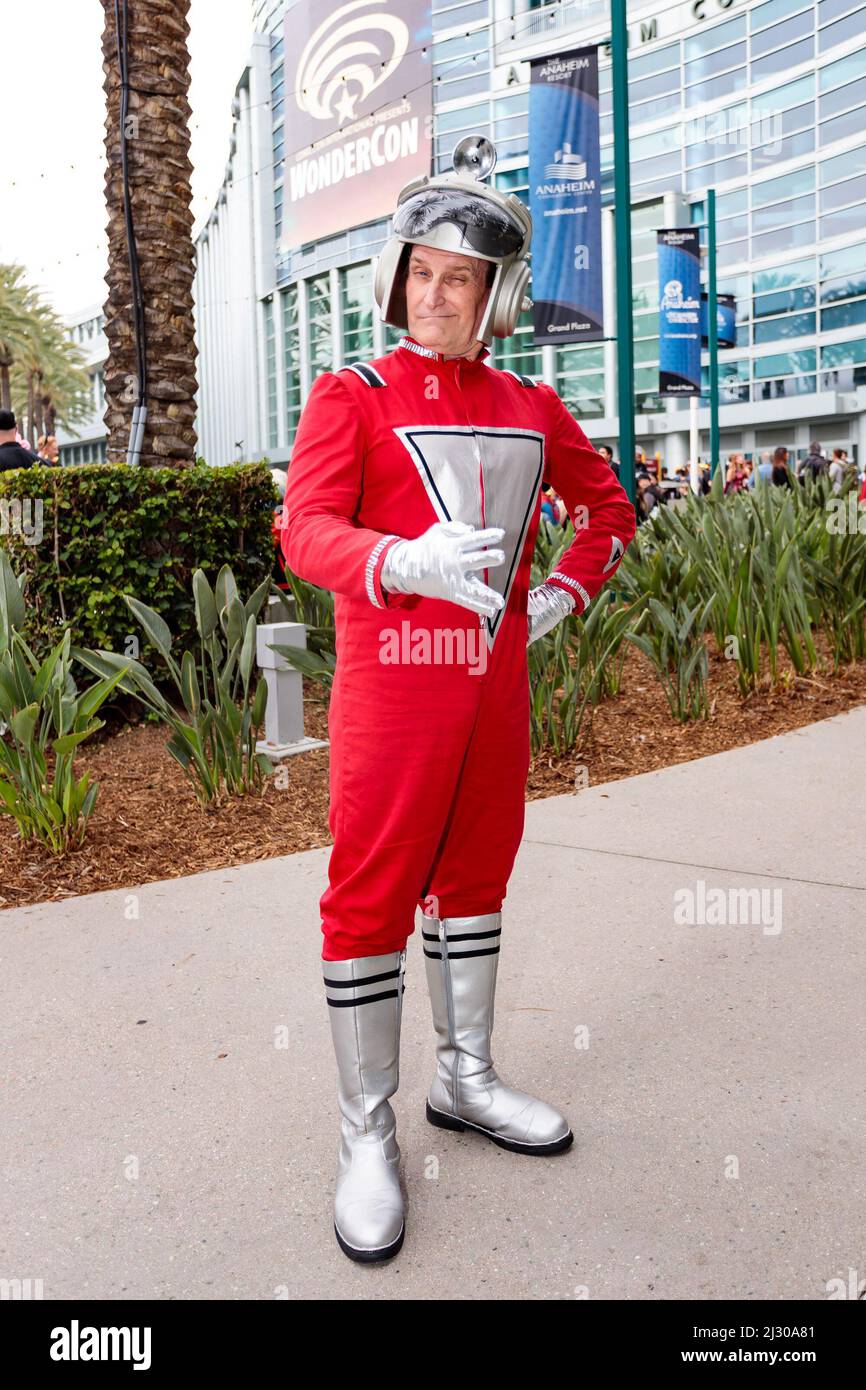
{"x": 518, "y": 376}
{"x": 367, "y": 373}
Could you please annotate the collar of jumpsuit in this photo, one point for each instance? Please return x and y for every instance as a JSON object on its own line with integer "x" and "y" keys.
{"x": 424, "y": 354}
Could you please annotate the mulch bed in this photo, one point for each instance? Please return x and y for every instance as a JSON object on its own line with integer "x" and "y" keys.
{"x": 148, "y": 825}
{"x": 635, "y": 732}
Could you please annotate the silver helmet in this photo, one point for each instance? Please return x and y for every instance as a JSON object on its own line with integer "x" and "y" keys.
{"x": 457, "y": 212}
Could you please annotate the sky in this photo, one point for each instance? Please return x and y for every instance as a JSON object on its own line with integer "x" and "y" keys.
{"x": 52, "y": 212}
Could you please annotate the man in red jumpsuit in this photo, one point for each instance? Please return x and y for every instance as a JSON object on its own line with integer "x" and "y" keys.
{"x": 404, "y": 471}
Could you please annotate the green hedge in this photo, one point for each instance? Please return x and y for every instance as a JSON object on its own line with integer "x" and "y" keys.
{"x": 109, "y": 529}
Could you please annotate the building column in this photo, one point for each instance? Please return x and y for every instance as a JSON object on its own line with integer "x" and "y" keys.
{"x": 304, "y": 341}
{"x": 858, "y": 434}
{"x": 262, "y": 354}
{"x": 378, "y": 325}
{"x": 548, "y": 364}
{"x": 279, "y": 369}
{"x": 675, "y": 451}
{"x": 336, "y": 318}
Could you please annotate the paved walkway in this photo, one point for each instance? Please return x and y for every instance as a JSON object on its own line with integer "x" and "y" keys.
{"x": 158, "y": 1142}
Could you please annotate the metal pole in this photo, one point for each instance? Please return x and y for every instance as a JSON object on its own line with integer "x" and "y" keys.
{"x": 694, "y": 444}
{"x": 713, "y": 330}
{"x": 622, "y": 223}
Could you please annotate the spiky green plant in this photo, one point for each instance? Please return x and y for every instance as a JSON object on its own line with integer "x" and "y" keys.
{"x": 44, "y": 715}
{"x": 216, "y": 744}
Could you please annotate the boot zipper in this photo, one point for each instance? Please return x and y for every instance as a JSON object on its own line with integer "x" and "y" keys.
{"x": 449, "y": 1004}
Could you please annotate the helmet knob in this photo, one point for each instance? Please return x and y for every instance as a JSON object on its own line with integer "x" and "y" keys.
{"x": 474, "y": 157}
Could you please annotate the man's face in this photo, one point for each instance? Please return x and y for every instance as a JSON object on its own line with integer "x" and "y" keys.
{"x": 446, "y": 295}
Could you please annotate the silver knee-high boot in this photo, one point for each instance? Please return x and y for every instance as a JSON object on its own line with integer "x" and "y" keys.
{"x": 365, "y": 999}
{"x": 461, "y": 955}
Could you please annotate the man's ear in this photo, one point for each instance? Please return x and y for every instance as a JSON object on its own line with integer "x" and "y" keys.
{"x": 482, "y": 306}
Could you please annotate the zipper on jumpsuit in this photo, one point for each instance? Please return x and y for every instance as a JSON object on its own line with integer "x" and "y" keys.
{"x": 446, "y": 980}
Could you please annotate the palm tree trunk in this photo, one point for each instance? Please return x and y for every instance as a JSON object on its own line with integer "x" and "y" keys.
{"x": 159, "y": 172}
{"x": 40, "y": 405}
{"x": 5, "y": 388}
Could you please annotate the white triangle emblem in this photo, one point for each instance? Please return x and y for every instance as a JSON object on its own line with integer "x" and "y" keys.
{"x": 617, "y": 550}
{"x": 459, "y": 466}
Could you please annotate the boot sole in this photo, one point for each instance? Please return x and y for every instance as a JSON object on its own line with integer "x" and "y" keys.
{"x": 443, "y": 1121}
{"x": 383, "y": 1252}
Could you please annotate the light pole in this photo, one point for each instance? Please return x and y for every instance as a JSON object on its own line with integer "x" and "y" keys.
{"x": 713, "y": 330}
{"x": 622, "y": 226}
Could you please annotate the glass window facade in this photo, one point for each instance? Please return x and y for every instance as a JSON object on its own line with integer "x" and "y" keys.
{"x": 320, "y": 345}
{"x": 94, "y": 452}
{"x": 271, "y": 373}
{"x": 767, "y": 105}
{"x": 517, "y": 352}
{"x": 735, "y": 142}
{"x": 291, "y": 361}
{"x": 356, "y": 310}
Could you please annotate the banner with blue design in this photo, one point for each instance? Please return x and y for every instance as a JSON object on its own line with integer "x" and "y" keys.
{"x": 726, "y": 320}
{"x": 565, "y": 198}
{"x": 679, "y": 256}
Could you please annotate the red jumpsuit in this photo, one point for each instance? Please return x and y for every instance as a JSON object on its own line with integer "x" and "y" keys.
{"x": 429, "y": 714}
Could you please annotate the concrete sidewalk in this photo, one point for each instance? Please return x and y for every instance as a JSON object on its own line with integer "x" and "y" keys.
{"x": 158, "y": 1142}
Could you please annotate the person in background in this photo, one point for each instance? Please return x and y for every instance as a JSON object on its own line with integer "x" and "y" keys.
{"x": 280, "y": 477}
{"x": 737, "y": 475}
{"x": 12, "y": 453}
{"x": 839, "y": 468}
{"x": 48, "y": 449}
{"x": 762, "y": 472}
{"x": 607, "y": 452}
{"x": 814, "y": 462}
{"x": 548, "y": 507}
{"x": 648, "y": 497}
{"x": 781, "y": 476}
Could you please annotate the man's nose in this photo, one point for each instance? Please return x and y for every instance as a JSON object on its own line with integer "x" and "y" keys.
{"x": 434, "y": 293}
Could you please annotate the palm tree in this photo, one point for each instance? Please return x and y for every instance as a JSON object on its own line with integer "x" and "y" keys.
{"x": 149, "y": 310}
{"x": 16, "y": 325}
{"x": 50, "y": 384}
{"x": 41, "y": 369}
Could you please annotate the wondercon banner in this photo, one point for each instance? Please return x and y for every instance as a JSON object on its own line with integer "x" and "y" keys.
{"x": 359, "y": 112}
{"x": 726, "y": 320}
{"x": 679, "y": 255}
{"x": 565, "y": 198}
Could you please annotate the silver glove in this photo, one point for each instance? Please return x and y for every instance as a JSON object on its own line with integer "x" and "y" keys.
{"x": 438, "y": 564}
{"x": 547, "y": 606}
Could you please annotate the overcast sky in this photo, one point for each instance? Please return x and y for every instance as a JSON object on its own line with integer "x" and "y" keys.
{"x": 52, "y": 212}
